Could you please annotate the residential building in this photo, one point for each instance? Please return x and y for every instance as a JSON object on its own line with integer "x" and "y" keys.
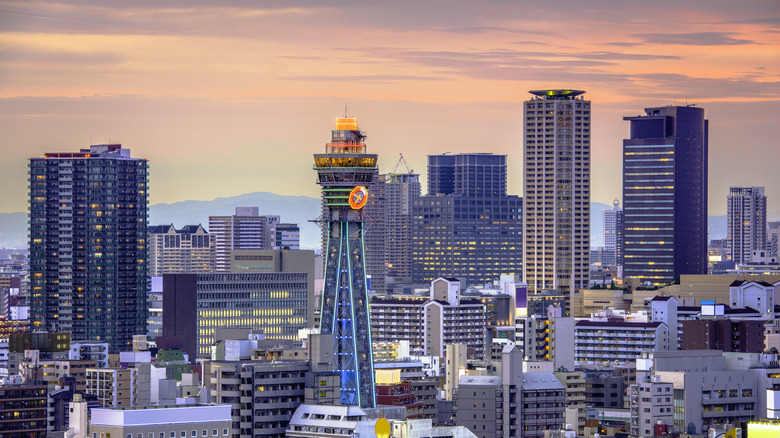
{"x": 606, "y": 341}
{"x": 191, "y": 421}
{"x": 23, "y": 410}
{"x": 613, "y": 236}
{"x": 450, "y": 319}
{"x": 55, "y": 372}
{"x": 556, "y": 192}
{"x": 58, "y": 412}
{"x": 652, "y": 404}
{"x": 746, "y": 210}
{"x": 665, "y": 194}
{"x": 745, "y": 335}
{"x": 397, "y": 318}
{"x": 114, "y": 387}
{"x": 400, "y": 190}
{"x": 195, "y": 305}
{"x": 513, "y": 404}
{"x": 466, "y": 227}
{"x": 757, "y": 295}
{"x": 187, "y": 250}
{"x": 245, "y": 229}
{"x": 88, "y": 244}
{"x": 262, "y": 395}
{"x": 549, "y": 339}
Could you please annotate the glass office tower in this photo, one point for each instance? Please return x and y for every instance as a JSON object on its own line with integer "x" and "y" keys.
{"x": 665, "y": 195}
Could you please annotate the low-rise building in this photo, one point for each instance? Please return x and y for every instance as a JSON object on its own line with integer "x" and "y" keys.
{"x": 114, "y": 387}
{"x": 607, "y": 341}
{"x": 186, "y": 421}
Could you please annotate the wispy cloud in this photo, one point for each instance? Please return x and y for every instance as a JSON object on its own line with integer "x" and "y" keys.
{"x": 694, "y": 38}
{"x": 365, "y": 78}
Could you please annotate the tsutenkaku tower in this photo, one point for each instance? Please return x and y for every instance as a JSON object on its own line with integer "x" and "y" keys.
{"x": 344, "y": 171}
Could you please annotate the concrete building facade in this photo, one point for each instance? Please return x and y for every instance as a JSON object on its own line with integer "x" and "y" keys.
{"x": 556, "y": 191}
{"x": 747, "y": 227}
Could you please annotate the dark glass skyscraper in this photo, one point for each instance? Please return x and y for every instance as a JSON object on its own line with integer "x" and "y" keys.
{"x": 88, "y": 244}
{"x": 665, "y": 194}
{"x": 343, "y": 172}
{"x": 467, "y": 226}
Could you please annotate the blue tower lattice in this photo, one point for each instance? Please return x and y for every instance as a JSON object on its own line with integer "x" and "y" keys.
{"x": 343, "y": 172}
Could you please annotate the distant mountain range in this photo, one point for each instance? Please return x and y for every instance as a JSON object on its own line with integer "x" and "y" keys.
{"x": 290, "y": 209}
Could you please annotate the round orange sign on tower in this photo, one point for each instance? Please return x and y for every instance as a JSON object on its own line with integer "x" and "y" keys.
{"x": 358, "y": 197}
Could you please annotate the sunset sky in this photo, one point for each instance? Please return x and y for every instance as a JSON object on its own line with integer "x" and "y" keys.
{"x": 233, "y": 97}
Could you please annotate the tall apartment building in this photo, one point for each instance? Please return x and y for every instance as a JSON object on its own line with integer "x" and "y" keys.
{"x": 195, "y": 305}
{"x": 746, "y": 223}
{"x": 400, "y": 190}
{"x": 665, "y": 194}
{"x": 245, "y": 229}
{"x": 556, "y": 191}
{"x": 172, "y": 251}
{"x": 467, "y": 227}
{"x": 88, "y": 244}
{"x": 613, "y": 236}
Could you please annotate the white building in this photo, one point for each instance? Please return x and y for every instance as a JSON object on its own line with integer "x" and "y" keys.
{"x": 190, "y": 421}
{"x": 758, "y": 295}
{"x": 607, "y": 341}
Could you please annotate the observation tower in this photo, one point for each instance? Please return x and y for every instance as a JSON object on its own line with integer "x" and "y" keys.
{"x": 344, "y": 171}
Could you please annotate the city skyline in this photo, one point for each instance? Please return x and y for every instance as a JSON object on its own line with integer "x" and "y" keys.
{"x": 236, "y": 92}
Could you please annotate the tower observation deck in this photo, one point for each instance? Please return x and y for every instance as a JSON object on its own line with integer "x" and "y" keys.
{"x": 344, "y": 171}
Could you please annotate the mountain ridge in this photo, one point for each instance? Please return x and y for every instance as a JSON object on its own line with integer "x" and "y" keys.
{"x": 291, "y": 209}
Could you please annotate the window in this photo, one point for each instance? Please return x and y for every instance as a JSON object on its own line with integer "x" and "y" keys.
{"x": 214, "y": 432}
{"x": 224, "y": 431}
{"x": 129, "y": 435}
{"x": 173, "y": 434}
{"x": 194, "y": 433}
{"x": 162, "y": 434}
{"x": 183, "y": 434}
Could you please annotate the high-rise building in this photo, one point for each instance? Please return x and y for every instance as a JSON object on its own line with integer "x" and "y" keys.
{"x": 172, "y": 251}
{"x": 556, "y": 193}
{"x": 746, "y": 222}
{"x": 88, "y": 244}
{"x": 665, "y": 194}
{"x": 613, "y": 236}
{"x": 343, "y": 172}
{"x": 288, "y": 236}
{"x": 401, "y": 189}
{"x": 244, "y": 230}
{"x": 467, "y": 227}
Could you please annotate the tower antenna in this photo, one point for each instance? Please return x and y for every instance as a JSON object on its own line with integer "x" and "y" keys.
{"x": 345, "y": 111}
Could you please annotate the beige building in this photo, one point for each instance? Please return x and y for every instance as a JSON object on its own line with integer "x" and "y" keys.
{"x": 556, "y": 192}
{"x": 172, "y": 251}
{"x": 115, "y": 387}
{"x": 54, "y": 371}
{"x": 590, "y": 301}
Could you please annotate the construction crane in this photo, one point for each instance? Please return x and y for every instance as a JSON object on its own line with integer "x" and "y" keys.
{"x": 406, "y": 165}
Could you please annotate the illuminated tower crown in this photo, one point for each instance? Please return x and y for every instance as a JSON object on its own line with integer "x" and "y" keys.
{"x": 344, "y": 171}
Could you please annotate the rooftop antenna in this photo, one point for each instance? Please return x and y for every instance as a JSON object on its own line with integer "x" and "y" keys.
{"x": 345, "y": 111}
